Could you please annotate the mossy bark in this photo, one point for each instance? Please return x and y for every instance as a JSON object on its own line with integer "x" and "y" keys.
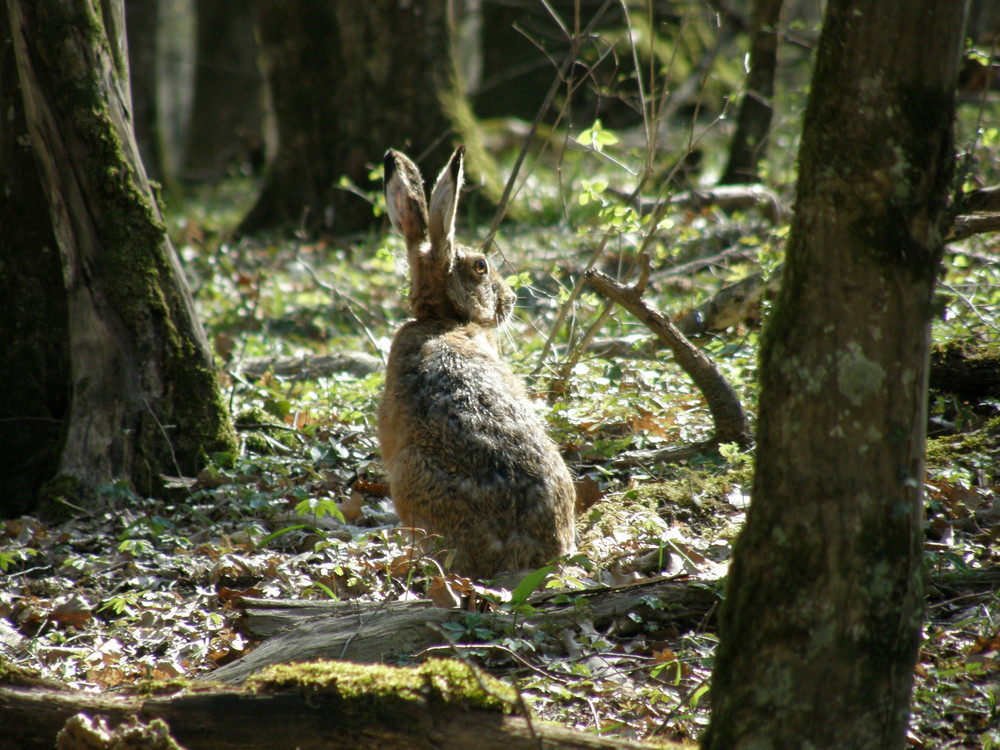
{"x": 348, "y": 80}
{"x": 143, "y": 396}
{"x": 439, "y": 705}
{"x": 820, "y": 629}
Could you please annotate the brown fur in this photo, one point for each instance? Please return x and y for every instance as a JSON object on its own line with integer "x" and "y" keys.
{"x": 466, "y": 453}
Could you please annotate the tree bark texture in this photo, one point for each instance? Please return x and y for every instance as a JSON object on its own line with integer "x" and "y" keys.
{"x": 348, "y": 80}
{"x": 754, "y": 121}
{"x": 226, "y": 125}
{"x": 820, "y": 628}
{"x": 144, "y": 400}
{"x": 515, "y": 74}
{"x": 34, "y": 368}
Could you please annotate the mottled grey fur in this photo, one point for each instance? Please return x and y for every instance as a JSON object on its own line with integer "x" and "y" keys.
{"x": 466, "y": 453}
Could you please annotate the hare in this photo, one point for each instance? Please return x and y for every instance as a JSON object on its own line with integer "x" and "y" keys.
{"x": 467, "y": 456}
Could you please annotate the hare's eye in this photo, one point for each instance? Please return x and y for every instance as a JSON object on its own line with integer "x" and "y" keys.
{"x": 480, "y": 266}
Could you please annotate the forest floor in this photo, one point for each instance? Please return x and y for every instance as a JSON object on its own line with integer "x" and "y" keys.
{"x": 149, "y": 589}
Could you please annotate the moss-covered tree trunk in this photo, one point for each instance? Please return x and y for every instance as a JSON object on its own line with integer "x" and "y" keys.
{"x": 821, "y": 624}
{"x": 347, "y": 80}
{"x": 754, "y": 121}
{"x": 226, "y": 126}
{"x": 143, "y": 398}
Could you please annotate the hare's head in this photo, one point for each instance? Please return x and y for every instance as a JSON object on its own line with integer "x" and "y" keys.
{"x": 448, "y": 281}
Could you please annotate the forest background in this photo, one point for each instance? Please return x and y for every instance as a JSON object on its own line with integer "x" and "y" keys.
{"x": 599, "y": 135}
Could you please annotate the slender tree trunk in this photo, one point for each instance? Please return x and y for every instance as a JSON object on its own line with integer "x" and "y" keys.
{"x": 750, "y": 140}
{"x": 144, "y": 400}
{"x": 226, "y": 125}
{"x": 820, "y": 628}
{"x": 347, "y": 81}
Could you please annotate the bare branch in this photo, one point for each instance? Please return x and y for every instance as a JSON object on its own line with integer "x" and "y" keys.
{"x": 966, "y": 226}
{"x": 731, "y": 424}
{"x": 983, "y": 200}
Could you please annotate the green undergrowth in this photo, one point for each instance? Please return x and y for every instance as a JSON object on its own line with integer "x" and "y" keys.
{"x": 315, "y": 489}
{"x": 148, "y": 589}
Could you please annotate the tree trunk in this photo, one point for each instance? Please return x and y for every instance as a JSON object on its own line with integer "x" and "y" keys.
{"x": 226, "y": 126}
{"x": 142, "y": 18}
{"x": 514, "y": 73}
{"x": 143, "y": 400}
{"x": 750, "y": 140}
{"x": 34, "y": 368}
{"x": 820, "y": 629}
{"x": 348, "y": 80}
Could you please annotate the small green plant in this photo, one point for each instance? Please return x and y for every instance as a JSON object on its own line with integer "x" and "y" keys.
{"x": 471, "y": 627}
{"x": 121, "y": 604}
{"x": 136, "y": 547}
{"x": 596, "y": 137}
{"x": 320, "y": 507}
{"x": 734, "y": 454}
{"x": 11, "y": 557}
{"x": 528, "y": 585}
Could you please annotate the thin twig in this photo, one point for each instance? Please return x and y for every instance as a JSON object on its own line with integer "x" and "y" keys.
{"x": 237, "y": 364}
{"x": 658, "y": 212}
{"x": 526, "y": 713}
{"x": 347, "y": 306}
{"x": 969, "y": 304}
{"x": 166, "y": 437}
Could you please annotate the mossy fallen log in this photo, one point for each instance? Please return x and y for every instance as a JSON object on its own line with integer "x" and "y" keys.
{"x": 440, "y": 704}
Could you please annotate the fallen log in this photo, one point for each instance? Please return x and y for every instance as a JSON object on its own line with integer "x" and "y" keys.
{"x": 973, "y": 373}
{"x": 733, "y": 304}
{"x": 966, "y": 226}
{"x": 440, "y": 704}
{"x": 725, "y": 197}
{"x": 325, "y": 705}
{"x": 369, "y": 633}
{"x": 358, "y": 364}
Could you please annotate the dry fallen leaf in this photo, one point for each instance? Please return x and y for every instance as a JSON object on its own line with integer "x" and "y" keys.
{"x": 442, "y": 593}
{"x": 588, "y": 494}
{"x": 352, "y": 507}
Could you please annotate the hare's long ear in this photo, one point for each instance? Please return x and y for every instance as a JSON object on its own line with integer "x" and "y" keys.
{"x": 404, "y": 199}
{"x": 444, "y": 201}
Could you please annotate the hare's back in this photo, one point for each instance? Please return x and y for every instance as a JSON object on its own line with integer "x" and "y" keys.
{"x": 469, "y": 400}
{"x": 470, "y": 416}
{"x": 468, "y": 456}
